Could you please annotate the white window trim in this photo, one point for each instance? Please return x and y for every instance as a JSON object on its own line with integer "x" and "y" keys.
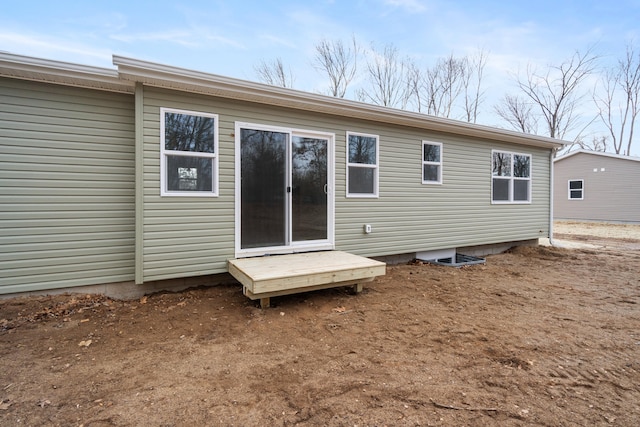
{"x": 375, "y": 167}
{"x": 512, "y": 179}
{"x": 164, "y": 192}
{"x": 424, "y": 162}
{"x": 569, "y": 190}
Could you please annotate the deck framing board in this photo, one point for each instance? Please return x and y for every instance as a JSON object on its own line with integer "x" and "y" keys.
{"x": 354, "y": 283}
{"x": 302, "y": 272}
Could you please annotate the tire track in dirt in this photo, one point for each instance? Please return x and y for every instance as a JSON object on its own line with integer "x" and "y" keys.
{"x": 588, "y": 374}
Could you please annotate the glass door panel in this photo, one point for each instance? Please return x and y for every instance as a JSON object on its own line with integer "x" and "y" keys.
{"x": 263, "y": 174}
{"x": 309, "y": 188}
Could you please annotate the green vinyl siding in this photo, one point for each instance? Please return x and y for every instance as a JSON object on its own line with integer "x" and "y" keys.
{"x": 66, "y": 186}
{"x": 410, "y": 217}
{"x": 185, "y": 236}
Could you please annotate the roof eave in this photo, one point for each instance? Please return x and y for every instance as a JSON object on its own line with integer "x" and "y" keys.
{"x": 598, "y": 153}
{"x": 66, "y": 73}
{"x": 169, "y": 77}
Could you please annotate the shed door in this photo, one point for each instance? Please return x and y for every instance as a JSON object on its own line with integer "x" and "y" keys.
{"x": 284, "y": 191}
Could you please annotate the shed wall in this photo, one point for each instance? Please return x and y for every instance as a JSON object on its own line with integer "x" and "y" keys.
{"x": 185, "y": 236}
{"x": 611, "y": 194}
{"x": 66, "y": 186}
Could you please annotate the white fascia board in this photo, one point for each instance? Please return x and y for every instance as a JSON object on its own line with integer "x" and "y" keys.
{"x": 159, "y": 75}
{"x": 598, "y": 153}
{"x": 45, "y": 70}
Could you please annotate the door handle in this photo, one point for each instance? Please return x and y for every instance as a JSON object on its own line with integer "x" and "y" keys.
{"x": 326, "y": 189}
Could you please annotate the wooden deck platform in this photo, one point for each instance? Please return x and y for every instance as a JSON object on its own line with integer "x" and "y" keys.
{"x": 270, "y": 276}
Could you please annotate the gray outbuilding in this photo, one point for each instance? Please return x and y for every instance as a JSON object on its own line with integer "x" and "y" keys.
{"x": 595, "y": 186}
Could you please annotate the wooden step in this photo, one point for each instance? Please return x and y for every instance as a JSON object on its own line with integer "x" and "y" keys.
{"x": 264, "y": 277}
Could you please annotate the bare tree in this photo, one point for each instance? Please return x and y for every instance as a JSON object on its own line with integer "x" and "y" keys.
{"x": 473, "y": 71}
{"x": 518, "y": 112}
{"x": 597, "y": 143}
{"x": 415, "y": 85}
{"x": 556, "y": 94}
{"x": 386, "y": 73}
{"x": 339, "y": 61}
{"x": 274, "y": 73}
{"x": 620, "y": 103}
{"x": 437, "y": 90}
{"x": 443, "y": 85}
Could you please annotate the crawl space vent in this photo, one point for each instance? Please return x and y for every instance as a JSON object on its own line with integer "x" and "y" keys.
{"x": 460, "y": 260}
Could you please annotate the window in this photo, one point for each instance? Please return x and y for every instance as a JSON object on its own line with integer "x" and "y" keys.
{"x": 431, "y": 162}
{"x": 188, "y": 153}
{"x": 511, "y": 177}
{"x": 362, "y": 165}
{"x": 576, "y": 189}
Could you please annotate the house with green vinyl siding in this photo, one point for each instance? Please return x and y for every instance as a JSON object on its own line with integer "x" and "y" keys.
{"x": 147, "y": 176}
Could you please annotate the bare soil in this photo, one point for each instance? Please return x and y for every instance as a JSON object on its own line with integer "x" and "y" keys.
{"x": 598, "y": 235}
{"x": 538, "y": 336}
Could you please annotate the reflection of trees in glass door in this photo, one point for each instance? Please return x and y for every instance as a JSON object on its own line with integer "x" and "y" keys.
{"x": 263, "y": 178}
{"x": 283, "y": 189}
{"x": 309, "y": 188}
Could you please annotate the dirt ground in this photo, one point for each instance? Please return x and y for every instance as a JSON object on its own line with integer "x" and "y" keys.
{"x": 538, "y": 336}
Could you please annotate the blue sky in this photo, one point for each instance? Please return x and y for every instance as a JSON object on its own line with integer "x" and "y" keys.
{"x": 231, "y": 37}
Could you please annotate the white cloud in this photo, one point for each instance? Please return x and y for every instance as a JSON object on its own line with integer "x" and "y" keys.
{"x": 48, "y": 47}
{"x": 189, "y": 38}
{"x": 104, "y": 21}
{"x": 179, "y": 37}
{"x": 413, "y": 6}
{"x": 275, "y": 40}
{"x": 206, "y": 35}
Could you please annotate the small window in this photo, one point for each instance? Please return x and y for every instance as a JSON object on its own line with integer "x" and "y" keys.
{"x": 431, "y": 162}
{"x": 362, "y": 165}
{"x": 576, "y": 189}
{"x": 511, "y": 177}
{"x": 189, "y": 153}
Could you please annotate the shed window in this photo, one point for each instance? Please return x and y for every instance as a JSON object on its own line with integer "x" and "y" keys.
{"x": 511, "y": 177}
{"x": 362, "y": 165}
{"x": 431, "y": 162}
{"x": 576, "y": 189}
{"x": 189, "y": 153}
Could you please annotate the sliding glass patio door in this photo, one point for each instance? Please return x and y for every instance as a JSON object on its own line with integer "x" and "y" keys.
{"x": 284, "y": 202}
